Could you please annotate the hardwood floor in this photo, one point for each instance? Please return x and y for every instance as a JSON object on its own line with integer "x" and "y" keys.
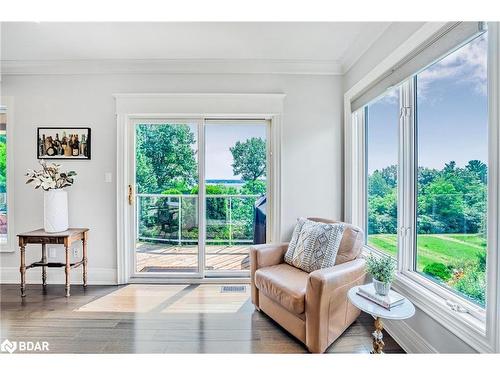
{"x": 156, "y": 319}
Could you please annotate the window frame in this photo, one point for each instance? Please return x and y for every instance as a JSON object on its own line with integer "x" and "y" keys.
{"x": 478, "y": 327}
{"x": 8, "y": 107}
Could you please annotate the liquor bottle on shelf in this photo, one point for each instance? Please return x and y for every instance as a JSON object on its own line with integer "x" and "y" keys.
{"x": 42, "y": 148}
{"x": 57, "y": 145}
{"x": 49, "y": 151}
{"x": 76, "y": 146}
{"x": 67, "y": 146}
{"x": 83, "y": 146}
{"x": 49, "y": 146}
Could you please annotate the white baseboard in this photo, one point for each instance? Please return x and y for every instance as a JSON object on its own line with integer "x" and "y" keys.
{"x": 96, "y": 276}
{"x": 408, "y": 338}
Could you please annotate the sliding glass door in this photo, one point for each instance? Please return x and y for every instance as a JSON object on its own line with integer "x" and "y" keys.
{"x": 166, "y": 200}
{"x": 236, "y": 193}
{"x": 200, "y": 196}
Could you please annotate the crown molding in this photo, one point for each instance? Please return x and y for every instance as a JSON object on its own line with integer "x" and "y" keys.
{"x": 170, "y": 66}
{"x": 354, "y": 53}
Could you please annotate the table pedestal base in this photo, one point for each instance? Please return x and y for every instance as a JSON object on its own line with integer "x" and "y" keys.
{"x": 378, "y": 342}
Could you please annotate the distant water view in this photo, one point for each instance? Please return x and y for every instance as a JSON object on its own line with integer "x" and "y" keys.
{"x": 224, "y": 182}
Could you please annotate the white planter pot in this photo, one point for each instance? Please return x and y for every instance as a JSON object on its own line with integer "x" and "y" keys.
{"x": 55, "y": 209}
{"x": 381, "y": 288}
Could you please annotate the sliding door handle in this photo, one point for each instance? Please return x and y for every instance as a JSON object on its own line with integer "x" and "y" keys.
{"x": 130, "y": 195}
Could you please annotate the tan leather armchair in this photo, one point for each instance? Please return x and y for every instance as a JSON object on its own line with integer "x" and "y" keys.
{"x": 314, "y": 306}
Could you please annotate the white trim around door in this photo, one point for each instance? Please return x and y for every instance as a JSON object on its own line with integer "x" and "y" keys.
{"x": 187, "y": 107}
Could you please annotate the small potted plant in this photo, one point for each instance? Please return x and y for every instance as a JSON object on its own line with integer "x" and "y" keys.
{"x": 55, "y": 199}
{"x": 382, "y": 269}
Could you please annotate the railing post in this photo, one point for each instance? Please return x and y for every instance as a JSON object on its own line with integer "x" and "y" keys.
{"x": 179, "y": 234}
{"x": 230, "y": 221}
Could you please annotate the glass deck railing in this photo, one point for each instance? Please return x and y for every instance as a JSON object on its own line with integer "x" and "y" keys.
{"x": 173, "y": 218}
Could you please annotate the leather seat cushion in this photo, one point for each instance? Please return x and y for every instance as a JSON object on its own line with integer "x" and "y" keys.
{"x": 285, "y": 285}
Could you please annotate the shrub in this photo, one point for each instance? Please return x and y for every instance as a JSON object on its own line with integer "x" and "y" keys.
{"x": 473, "y": 285}
{"x": 481, "y": 259}
{"x": 381, "y": 268}
{"x": 438, "y": 270}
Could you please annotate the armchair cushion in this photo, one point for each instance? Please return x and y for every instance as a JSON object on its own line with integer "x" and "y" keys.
{"x": 314, "y": 244}
{"x": 285, "y": 285}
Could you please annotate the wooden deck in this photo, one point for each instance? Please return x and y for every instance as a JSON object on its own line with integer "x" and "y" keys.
{"x": 184, "y": 258}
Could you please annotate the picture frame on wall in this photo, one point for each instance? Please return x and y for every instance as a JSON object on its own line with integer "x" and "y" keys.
{"x": 63, "y": 143}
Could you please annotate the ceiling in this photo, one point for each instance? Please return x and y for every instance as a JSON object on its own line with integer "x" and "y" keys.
{"x": 339, "y": 44}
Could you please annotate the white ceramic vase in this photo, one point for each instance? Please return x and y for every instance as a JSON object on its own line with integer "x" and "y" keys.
{"x": 55, "y": 209}
{"x": 381, "y": 287}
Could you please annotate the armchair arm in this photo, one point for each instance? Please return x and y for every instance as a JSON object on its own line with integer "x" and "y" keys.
{"x": 264, "y": 256}
{"x": 328, "y": 311}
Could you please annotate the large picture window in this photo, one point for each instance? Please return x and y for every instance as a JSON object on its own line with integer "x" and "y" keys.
{"x": 438, "y": 120}
{"x": 381, "y": 128}
{"x": 444, "y": 145}
{"x": 452, "y": 156}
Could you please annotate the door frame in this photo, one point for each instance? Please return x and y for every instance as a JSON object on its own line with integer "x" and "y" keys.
{"x": 130, "y": 107}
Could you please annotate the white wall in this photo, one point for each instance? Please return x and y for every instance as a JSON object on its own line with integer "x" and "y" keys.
{"x": 421, "y": 332}
{"x": 311, "y": 149}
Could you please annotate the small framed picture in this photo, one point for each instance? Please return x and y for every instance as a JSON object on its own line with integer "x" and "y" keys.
{"x": 64, "y": 143}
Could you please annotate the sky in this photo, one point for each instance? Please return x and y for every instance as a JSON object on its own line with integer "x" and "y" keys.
{"x": 218, "y": 140}
{"x": 452, "y": 113}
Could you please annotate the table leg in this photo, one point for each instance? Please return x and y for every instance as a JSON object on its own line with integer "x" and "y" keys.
{"x": 84, "y": 245}
{"x": 378, "y": 342}
{"x": 67, "y": 268}
{"x": 22, "y": 269}
{"x": 44, "y": 269}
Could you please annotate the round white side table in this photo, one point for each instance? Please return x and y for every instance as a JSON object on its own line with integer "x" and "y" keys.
{"x": 404, "y": 311}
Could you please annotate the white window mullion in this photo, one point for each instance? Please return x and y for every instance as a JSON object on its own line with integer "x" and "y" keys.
{"x": 202, "y": 225}
{"x": 401, "y": 182}
{"x": 406, "y": 179}
{"x": 358, "y": 173}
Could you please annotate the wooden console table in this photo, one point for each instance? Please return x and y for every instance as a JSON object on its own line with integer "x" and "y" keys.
{"x": 66, "y": 238}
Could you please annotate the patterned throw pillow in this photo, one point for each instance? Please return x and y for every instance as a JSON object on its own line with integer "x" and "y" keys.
{"x": 314, "y": 245}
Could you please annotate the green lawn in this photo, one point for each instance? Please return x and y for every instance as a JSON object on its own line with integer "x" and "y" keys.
{"x": 441, "y": 248}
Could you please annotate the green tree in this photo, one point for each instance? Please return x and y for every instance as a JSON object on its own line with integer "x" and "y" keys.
{"x": 145, "y": 174}
{"x": 390, "y": 175}
{"x": 479, "y": 168}
{"x": 377, "y": 185}
{"x": 249, "y": 159}
{"x": 449, "y": 167}
{"x": 426, "y": 176}
{"x": 165, "y": 157}
{"x": 254, "y": 187}
{"x": 445, "y": 203}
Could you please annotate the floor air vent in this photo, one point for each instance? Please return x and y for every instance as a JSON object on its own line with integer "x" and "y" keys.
{"x": 233, "y": 289}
